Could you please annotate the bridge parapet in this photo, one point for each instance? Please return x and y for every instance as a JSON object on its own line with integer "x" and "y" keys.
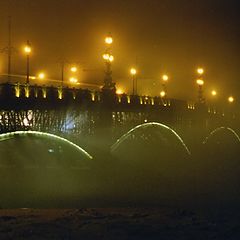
{"x": 25, "y": 96}
{"x": 49, "y": 108}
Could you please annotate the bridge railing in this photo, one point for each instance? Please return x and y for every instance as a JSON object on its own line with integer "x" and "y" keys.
{"x": 22, "y": 96}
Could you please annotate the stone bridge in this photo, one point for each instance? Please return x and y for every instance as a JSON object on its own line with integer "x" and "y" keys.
{"x": 62, "y": 110}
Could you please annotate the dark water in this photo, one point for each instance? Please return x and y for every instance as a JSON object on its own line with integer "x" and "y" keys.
{"x": 148, "y": 167}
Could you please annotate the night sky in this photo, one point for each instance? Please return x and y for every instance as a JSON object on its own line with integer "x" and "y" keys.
{"x": 159, "y": 36}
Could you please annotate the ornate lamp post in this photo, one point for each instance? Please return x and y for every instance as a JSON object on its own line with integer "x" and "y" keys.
{"x": 200, "y": 84}
{"x": 133, "y": 73}
{"x": 28, "y": 50}
{"x": 108, "y": 59}
{"x": 164, "y": 82}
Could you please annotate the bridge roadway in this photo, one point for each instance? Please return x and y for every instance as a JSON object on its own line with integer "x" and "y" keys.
{"x": 85, "y": 112}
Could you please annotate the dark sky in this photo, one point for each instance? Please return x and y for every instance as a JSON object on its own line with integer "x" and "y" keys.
{"x": 172, "y": 36}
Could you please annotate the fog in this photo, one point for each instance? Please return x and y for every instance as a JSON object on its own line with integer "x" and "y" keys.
{"x": 150, "y": 165}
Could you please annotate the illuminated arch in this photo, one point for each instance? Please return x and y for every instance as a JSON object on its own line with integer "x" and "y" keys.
{"x": 11, "y": 135}
{"x": 227, "y": 129}
{"x": 145, "y": 125}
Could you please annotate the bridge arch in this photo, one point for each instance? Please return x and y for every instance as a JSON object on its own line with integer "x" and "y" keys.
{"x": 15, "y": 134}
{"x": 222, "y": 130}
{"x": 149, "y": 125}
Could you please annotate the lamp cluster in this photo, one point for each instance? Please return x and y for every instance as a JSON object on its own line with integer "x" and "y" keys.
{"x": 108, "y": 83}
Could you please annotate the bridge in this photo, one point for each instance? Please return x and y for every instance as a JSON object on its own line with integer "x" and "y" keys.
{"x": 50, "y": 135}
{"x": 64, "y": 110}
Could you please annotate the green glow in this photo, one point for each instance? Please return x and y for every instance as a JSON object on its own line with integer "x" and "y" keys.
{"x": 120, "y": 140}
{"x": 7, "y": 136}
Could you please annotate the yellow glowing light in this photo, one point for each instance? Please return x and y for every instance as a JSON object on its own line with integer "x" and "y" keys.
{"x": 44, "y": 92}
{"x": 27, "y": 91}
{"x": 200, "y": 70}
{"x": 41, "y": 76}
{"x": 60, "y": 93}
{"x": 17, "y": 91}
{"x": 119, "y": 91}
{"x": 109, "y": 40}
{"x": 73, "y": 69}
{"x": 200, "y": 82}
{"x": 73, "y": 80}
{"x": 230, "y": 99}
{"x": 32, "y": 77}
{"x": 106, "y": 56}
{"x": 133, "y": 71}
{"x": 162, "y": 93}
{"x": 93, "y": 96}
{"x": 111, "y": 58}
{"x": 165, "y": 77}
{"x": 27, "y": 49}
{"x": 214, "y": 93}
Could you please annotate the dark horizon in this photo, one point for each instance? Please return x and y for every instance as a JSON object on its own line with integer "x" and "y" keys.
{"x": 162, "y": 36}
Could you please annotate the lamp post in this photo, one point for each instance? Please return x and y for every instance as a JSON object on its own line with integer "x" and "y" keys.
{"x": 27, "y": 50}
{"x": 200, "y": 84}
{"x": 133, "y": 73}
{"x": 164, "y": 82}
{"x": 108, "y": 59}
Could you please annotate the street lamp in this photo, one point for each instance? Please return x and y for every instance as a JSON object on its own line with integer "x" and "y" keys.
{"x": 73, "y": 69}
{"x": 133, "y": 73}
{"x": 162, "y": 94}
{"x": 41, "y": 75}
{"x": 109, "y": 40}
{"x": 200, "y": 84}
{"x": 108, "y": 59}
{"x": 73, "y": 80}
{"x": 214, "y": 93}
{"x": 165, "y": 78}
{"x": 200, "y": 71}
{"x": 164, "y": 81}
{"x": 27, "y": 50}
{"x": 231, "y": 99}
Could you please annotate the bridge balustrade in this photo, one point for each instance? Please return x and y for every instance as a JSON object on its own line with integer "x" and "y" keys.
{"x": 47, "y": 107}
